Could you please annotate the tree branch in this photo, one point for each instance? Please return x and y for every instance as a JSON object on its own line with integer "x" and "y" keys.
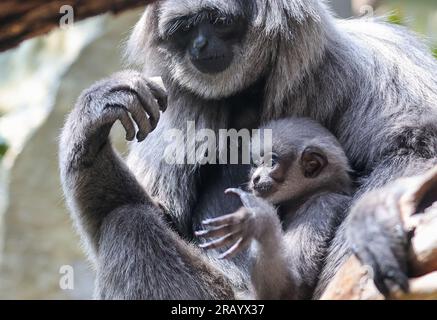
{"x": 21, "y": 20}
{"x": 354, "y": 281}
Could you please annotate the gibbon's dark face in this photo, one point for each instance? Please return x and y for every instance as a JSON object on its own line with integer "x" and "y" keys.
{"x": 213, "y": 48}
{"x": 282, "y": 177}
{"x": 208, "y": 38}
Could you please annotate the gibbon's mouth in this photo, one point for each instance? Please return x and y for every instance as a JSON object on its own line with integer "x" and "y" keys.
{"x": 264, "y": 189}
{"x": 212, "y": 64}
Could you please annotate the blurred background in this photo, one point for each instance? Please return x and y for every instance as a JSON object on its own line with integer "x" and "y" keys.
{"x": 39, "y": 82}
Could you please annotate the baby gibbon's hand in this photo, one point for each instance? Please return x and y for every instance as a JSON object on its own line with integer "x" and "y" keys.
{"x": 238, "y": 229}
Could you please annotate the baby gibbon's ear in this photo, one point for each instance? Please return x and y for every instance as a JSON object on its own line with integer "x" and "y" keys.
{"x": 313, "y": 161}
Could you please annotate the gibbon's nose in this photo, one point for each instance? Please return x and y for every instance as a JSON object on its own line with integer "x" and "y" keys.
{"x": 199, "y": 44}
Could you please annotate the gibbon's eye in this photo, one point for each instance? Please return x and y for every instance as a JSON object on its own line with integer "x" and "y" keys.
{"x": 274, "y": 158}
{"x": 186, "y": 28}
{"x": 270, "y": 160}
{"x": 221, "y": 21}
{"x": 178, "y": 27}
{"x": 223, "y": 24}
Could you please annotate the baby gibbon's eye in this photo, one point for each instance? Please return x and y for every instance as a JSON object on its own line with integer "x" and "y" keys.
{"x": 221, "y": 21}
{"x": 274, "y": 159}
{"x": 270, "y": 160}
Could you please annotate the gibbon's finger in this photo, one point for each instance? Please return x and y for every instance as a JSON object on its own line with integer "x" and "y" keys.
{"x": 235, "y": 191}
{"x": 128, "y": 125}
{"x": 397, "y": 279}
{"x": 239, "y": 246}
{"x": 245, "y": 197}
{"x": 137, "y": 96}
{"x": 140, "y": 118}
{"x": 218, "y": 232}
{"x": 128, "y": 100}
{"x": 149, "y": 102}
{"x": 221, "y": 242}
{"x": 390, "y": 272}
{"x": 120, "y": 113}
{"x": 234, "y": 218}
{"x": 367, "y": 258}
{"x": 387, "y": 273}
{"x": 160, "y": 95}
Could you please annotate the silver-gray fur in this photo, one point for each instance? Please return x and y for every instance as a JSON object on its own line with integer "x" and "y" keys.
{"x": 372, "y": 84}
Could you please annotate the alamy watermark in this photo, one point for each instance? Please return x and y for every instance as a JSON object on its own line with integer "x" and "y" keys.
{"x": 203, "y": 146}
{"x": 367, "y": 12}
{"x": 66, "y": 282}
{"x": 67, "y": 19}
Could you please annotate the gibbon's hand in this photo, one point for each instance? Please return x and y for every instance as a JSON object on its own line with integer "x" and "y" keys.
{"x": 378, "y": 237}
{"x": 126, "y": 96}
{"x": 238, "y": 229}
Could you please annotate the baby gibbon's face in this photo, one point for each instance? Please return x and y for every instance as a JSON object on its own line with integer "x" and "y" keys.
{"x": 282, "y": 177}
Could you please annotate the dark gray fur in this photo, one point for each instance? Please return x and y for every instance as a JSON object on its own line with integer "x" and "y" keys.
{"x": 373, "y": 85}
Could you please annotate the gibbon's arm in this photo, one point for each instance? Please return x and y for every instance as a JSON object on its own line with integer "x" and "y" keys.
{"x": 285, "y": 264}
{"x": 308, "y": 235}
{"x": 255, "y": 226}
{"x": 374, "y": 229}
{"x": 94, "y": 178}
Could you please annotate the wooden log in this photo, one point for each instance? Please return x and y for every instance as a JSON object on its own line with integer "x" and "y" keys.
{"x": 423, "y": 288}
{"x": 354, "y": 281}
{"x": 21, "y": 20}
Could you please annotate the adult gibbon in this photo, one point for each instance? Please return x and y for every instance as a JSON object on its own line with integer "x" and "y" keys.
{"x": 239, "y": 64}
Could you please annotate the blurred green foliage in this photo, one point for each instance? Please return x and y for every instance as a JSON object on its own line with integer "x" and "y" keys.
{"x": 396, "y": 17}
